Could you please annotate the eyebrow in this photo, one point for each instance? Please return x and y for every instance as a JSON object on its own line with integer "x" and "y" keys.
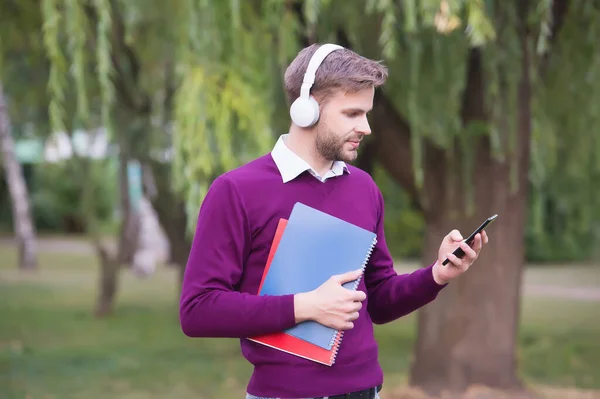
{"x": 356, "y": 110}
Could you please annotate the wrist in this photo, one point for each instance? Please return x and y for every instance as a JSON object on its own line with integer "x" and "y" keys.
{"x": 302, "y": 307}
{"x": 435, "y": 270}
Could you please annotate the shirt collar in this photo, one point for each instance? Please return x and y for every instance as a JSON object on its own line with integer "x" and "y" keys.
{"x": 290, "y": 165}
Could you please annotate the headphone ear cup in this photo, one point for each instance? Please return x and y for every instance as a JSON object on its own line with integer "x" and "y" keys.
{"x": 305, "y": 111}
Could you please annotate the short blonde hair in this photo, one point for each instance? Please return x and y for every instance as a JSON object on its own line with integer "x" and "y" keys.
{"x": 342, "y": 69}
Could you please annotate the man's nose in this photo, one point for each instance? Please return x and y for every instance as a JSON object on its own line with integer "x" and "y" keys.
{"x": 364, "y": 127}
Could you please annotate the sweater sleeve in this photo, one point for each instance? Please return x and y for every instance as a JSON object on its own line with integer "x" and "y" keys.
{"x": 392, "y": 296}
{"x": 209, "y": 304}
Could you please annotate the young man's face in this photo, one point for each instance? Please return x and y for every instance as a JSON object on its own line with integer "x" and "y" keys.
{"x": 343, "y": 124}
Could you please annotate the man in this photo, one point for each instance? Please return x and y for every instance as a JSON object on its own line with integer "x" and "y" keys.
{"x": 239, "y": 216}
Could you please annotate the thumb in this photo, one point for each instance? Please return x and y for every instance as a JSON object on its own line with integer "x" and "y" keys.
{"x": 454, "y": 236}
{"x": 349, "y": 276}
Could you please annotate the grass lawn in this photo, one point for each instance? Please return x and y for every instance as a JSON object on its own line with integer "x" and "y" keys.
{"x": 52, "y": 347}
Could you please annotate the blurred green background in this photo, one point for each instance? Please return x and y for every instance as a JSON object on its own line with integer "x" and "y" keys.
{"x": 116, "y": 115}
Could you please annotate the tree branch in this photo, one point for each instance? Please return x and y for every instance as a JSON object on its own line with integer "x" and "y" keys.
{"x": 119, "y": 81}
{"x": 367, "y": 157}
{"x": 473, "y": 104}
{"x": 393, "y": 145}
{"x": 296, "y": 7}
{"x": 392, "y": 135}
{"x": 138, "y": 102}
{"x": 525, "y": 91}
{"x": 559, "y": 12}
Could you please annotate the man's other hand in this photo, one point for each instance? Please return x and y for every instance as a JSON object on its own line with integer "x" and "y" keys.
{"x": 331, "y": 304}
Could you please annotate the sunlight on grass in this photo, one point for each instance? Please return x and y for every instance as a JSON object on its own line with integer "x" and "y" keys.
{"x": 52, "y": 347}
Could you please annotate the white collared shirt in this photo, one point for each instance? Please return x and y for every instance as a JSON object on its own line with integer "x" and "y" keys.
{"x": 290, "y": 165}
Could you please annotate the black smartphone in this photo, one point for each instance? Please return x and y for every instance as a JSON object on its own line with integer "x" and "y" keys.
{"x": 458, "y": 252}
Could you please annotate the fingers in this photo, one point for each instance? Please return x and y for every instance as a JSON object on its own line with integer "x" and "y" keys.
{"x": 345, "y": 320}
{"x": 346, "y": 326}
{"x": 484, "y": 237}
{"x": 348, "y": 323}
{"x": 357, "y": 295}
{"x": 477, "y": 243}
{"x": 471, "y": 253}
{"x": 346, "y": 277}
{"x": 456, "y": 261}
{"x": 356, "y": 306}
{"x": 349, "y": 314}
{"x": 353, "y": 316}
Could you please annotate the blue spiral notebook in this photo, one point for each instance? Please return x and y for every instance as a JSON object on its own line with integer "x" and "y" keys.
{"x": 315, "y": 246}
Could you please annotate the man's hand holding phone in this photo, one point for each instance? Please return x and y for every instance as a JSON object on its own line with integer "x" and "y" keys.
{"x": 455, "y": 255}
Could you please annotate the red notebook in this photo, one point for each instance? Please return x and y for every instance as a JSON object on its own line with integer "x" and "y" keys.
{"x": 286, "y": 342}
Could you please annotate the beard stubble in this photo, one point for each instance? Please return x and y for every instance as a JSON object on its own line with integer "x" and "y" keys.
{"x": 331, "y": 147}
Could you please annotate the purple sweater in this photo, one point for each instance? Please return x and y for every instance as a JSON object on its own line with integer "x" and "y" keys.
{"x": 236, "y": 225}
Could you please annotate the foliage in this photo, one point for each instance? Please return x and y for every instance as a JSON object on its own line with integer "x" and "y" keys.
{"x": 24, "y": 67}
{"x": 560, "y": 235}
{"x": 565, "y": 172}
{"x": 55, "y": 190}
{"x": 56, "y": 195}
{"x": 558, "y": 242}
{"x": 224, "y": 98}
{"x": 201, "y": 71}
{"x": 404, "y": 224}
{"x": 224, "y": 105}
{"x": 426, "y": 52}
{"x": 216, "y": 62}
{"x": 427, "y": 81}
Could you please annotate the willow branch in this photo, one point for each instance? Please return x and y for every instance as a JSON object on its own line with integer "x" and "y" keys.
{"x": 130, "y": 96}
{"x": 559, "y": 13}
{"x": 393, "y": 136}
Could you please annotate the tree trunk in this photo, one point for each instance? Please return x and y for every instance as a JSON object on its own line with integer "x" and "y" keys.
{"x": 108, "y": 276}
{"x": 170, "y": 209}
{"x": 111, "y": 261}
{"x": 468, "y": 335}
{"x": 128, "y": 235}
{"x": 108, "y": 281}
{"x": 22, "y": 220}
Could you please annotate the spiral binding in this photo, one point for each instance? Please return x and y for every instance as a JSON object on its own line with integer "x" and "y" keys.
{"x": 336, "y": 339}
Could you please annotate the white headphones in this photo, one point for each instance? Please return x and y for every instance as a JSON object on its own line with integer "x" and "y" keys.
{"x": 305, "y": 110}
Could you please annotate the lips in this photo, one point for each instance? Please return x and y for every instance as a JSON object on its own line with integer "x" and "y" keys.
{"x": 355, "y": 141}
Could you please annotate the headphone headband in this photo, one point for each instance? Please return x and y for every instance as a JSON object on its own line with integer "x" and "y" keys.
{"x": 305, "y": 109}
{"x": 314, "y": 63}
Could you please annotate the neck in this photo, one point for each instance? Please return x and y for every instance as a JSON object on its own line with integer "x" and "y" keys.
{"x": 302, "y": 143}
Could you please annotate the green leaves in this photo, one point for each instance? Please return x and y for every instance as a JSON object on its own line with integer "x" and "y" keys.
{"x": 220, "y": 123}
{"x": 199, "y": 73}
{"x": 103, "y": 59}
{"x": 565, "y": 166}
{"x": 480, "y": 29}
{"x": 223, "y": 109}
{"x": 58, "y": 63}
{"x": 208, "y": 76}
{"x": 68, "y": 30}
{"x": 76, "y": 33}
